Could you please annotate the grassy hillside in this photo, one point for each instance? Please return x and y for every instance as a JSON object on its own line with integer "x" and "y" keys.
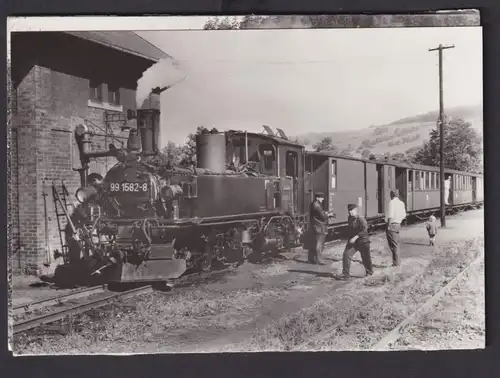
{"x": 397, "y": 136}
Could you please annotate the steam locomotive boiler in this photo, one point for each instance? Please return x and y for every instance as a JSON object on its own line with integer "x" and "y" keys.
{"x": 148, "y": 220}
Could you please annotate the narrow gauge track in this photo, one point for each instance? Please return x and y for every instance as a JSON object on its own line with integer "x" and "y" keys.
{"x": 79, "y": 308}
{"x": 91, "y": 298}
{"x": 393, "y": 336}
{"x": 57, "y": 300}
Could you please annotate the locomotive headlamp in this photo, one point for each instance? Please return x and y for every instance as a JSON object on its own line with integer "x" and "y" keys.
{"x": 83, "y": 194}
{"x": 80, "y": 129}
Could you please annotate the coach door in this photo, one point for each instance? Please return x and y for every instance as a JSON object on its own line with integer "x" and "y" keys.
{"x": 371, "y": 185}
{"x": 474, "y": 188}
{"x": 401, "y": 183}
{"x": 409, "y": 190}
{"x": 389, "y": 184}
{"x": 380, "y": 188}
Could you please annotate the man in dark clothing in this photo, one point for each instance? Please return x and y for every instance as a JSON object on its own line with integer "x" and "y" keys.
{"x": 318, "y": 230}
{"x": 358, "y": 241}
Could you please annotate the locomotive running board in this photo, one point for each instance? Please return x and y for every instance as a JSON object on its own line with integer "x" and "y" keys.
{"x": 153, "y": 270}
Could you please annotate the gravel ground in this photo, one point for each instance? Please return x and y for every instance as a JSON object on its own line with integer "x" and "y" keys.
{"x": 285, "y": 304}
{"x": 457, "y": 321}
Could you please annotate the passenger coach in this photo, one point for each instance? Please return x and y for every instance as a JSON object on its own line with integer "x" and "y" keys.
{"x": 368, "y": 183}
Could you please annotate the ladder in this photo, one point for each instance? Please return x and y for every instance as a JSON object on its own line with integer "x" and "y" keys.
{"x": 61, "y": 210}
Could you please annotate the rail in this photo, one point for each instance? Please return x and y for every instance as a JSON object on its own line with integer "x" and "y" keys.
{"x": 54, "y": 316}
{"x": 57, "y": 300}
{"x": 392, "y": 336}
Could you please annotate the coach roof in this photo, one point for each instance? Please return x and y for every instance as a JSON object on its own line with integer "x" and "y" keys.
{"x": 396, "y": 163}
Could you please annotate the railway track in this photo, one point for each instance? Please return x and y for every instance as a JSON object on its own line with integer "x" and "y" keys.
{"x": 57, "y": 300}
{"x": 393, "y": 336}
{"x": 102, "y": 299}
{"x": 63, "y": 306}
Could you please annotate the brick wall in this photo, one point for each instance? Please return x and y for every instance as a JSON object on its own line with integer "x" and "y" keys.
{"x": 50, "y": 105}
{"x": 13, "y": 198}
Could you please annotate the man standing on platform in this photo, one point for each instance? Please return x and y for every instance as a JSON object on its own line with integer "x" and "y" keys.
{"x": 358, "y": 241}
{"x": 318, "y": 230}
{"x": 396, "y": 213}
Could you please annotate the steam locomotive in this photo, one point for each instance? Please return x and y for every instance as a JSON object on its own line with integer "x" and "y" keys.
{"x": 248, "y": 196}
{"x": 147, "y": 220}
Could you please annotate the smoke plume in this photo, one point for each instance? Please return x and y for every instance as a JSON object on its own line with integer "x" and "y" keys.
{"x": 164, "y": 74}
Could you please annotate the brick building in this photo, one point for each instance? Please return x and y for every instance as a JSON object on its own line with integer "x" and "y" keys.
{"x": 59, "y": 80}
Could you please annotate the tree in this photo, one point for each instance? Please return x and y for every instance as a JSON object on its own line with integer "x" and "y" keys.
{"x": 226, "y": 23}
{"x": 398, "y": 156}
{"x": 345, "y": 152}
{"x": 173, "y": 152}
{"x": 189, "y": 149}
{"x": 366, "y": 154}
{"x": 462, "y": 147}
{"x": 326, "y": 144}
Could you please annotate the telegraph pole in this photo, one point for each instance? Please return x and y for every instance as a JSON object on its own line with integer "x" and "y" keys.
{"x": 441, "y": 130}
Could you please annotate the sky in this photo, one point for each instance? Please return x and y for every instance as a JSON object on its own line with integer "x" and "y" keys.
{"x": 313, "y": 80}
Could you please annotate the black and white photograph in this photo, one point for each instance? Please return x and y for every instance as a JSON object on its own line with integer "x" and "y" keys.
{"x": 245, "y": 183}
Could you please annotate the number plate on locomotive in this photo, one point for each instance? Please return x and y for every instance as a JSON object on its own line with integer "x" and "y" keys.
{"x": 128, "y": 187}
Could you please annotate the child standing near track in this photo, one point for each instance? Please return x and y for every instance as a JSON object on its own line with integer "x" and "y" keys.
{"x": 431, "y": 227}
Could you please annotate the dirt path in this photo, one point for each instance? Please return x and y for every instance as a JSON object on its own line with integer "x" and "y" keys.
{"x": 225, "y": 315}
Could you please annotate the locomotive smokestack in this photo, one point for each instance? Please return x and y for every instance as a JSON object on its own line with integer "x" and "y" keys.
{"x": 148, "y": 122}
{"x": 211, "y": 152}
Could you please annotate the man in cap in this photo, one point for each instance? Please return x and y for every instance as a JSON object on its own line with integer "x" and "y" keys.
{"x": 358, "y": 241}
{"x": 318, "y": 230}
{"x": 396, "y": 213}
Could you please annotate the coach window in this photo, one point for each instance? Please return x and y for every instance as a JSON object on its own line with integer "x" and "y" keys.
{"x": 417, "y": 180}
{"x": 427, "y": 186}
{"x": 410, "y": 181}
{"x": 390, "y": 177}
{"x": 422, "y": 180}
{"x": 334, "y": 174}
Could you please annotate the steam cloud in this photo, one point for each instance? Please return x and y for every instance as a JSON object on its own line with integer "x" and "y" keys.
{"x": 163, "y": 74}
